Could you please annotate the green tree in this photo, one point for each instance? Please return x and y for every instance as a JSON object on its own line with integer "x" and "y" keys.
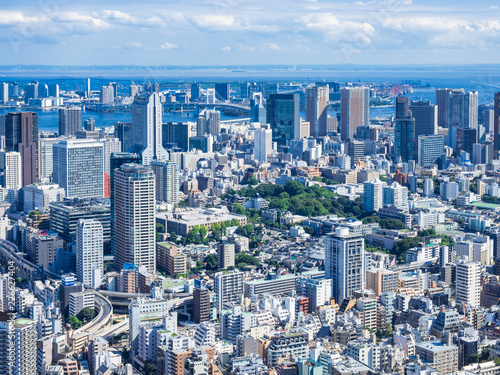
{"x": 149, "y": 368}
{"x": 378, "y": 333}
{"x": 75, "y": 322}
{"x": 19, "y": 281}
{"x": 252, "y": 180}
{"x": 173, "y": 236}
{"x": 238, "y": 209}
{"x": 211, "y": 262}
{"x": 86, "y": 315}
{"x": 160, "y": 228}
{"x": 293, "y": 188}
{"x": 388, "y": 330}
{"x": 431, "y": 232}
{"x": 308, "y": 229}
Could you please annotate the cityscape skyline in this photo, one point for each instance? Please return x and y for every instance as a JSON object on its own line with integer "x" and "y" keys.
{"x": 232, "y": 32}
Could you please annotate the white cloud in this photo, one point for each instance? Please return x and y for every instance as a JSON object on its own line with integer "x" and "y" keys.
{"x": 271, "y": 47}
{"x": 216, "y": 22}
{"x": 168, "y": 46}
{"x": 226, "y": 49}
{"x": 133, "y": 45}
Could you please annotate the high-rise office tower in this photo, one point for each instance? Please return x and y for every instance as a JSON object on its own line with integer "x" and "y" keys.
{"x": 110, "y": 146}
{"x": 201, "y": 126}
{"x": 457, "y": 108}
{"x": 43, "y": 90}
{"x": 4, "y": 92}
{"x": 116, "y": 161}
{"x": 257, "y": 112}
{"x": 176, "y": 135}
{"x": 426, "y": 117}
{"x": 123, "y": 131}
{"x": 316, "y": 112}
{"x": 283, "y": 114}
{"x": 465, "y": 139}
{"x": 89, "y": 251}
{"x": 107, "y": 95}
{"x": 78, "y": 167}
{"x": 195, "y": 91}
{"x": 21, "y": 135}
{"x": 489, "y": 120}
{"x": 244, "y": 90}
{"x": 222, "y": 91}
{"x": 134, "y": 216}
{"x": 373, "y": 195}
{"x": 355, "y": 110}
{"x": 87, "y": 87}
{"x": 468, "y": 283}
{"x": 147, "y": 127}
{"x": 430, "y": 148}
{"x": 496, "y": 125}
{"x": 212, "y": 122}
{"x": 229, "y": 288}
{"x": 30, "y": 91}
{"x": 18, "y": 352}
{"x": 356, "y": 151}
{"x": 11, "y": 164}
{"x": 167, "y": 181}
{"x": 54, "y": 90}
{"x": 263, "y": 143}
{"x": 45, "y": 163}
{"x": 89, "y": 125}
{"x": 404, "y": 132}
{"x": 345, "y": 263}
{"x": 70, "y": 120}
{"x": 133, "y": 90}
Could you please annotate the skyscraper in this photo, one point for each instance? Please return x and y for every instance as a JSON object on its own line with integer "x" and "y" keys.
{"x": 263, "y": 143}
{"x": 89, "y": 251}
{"x": 345, "y": 263}
{"x": 110, "y": 146}
{"x": 316, "y": 111}
{"x": 222, "y": 91}
{"x": 11, "y": 164}
{"x": 195, "y": 91}
{"x": 225, "y": 255}
{"x": 167, "y": 181}
{"x": 116, "y": 161}
{"x": 21, "y": 135}
{"x": 229, "y": 288}
{"x": 426, "y": 118}
{"x": 464, "y": 140}
{"x": 430, "y": 148}
{"x": 355, "y": 110}
{"x": 404, "y": 132}
{"x": 212, "y": 122}
{"x": 107, "y": 94}
{"x": 18, "y": 351}
{"x": 87, "y": 87}
{"x": 496, "y": 126}
{"x": 147, "y": 127}
{"x": 457, "y": 108}
{"x": 123, "y": 131}
{"x": 70, "y": 120}
{"x": 429, "y": 187}
{"x": 283, "y": 114}
{"x": 78, "y": 167}
{"x": 468, "y": 283}
{"x": 4, "y": 92}
{"x": 134, "y": 216}
{"x": 373, "y": 195}
{"x": 176, "y": 133}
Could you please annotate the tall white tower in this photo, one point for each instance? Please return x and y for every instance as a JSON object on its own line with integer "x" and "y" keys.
{"x": 263, "y": 143}
{"x": 147, "y": 127}
{"x": 89, "y": 250}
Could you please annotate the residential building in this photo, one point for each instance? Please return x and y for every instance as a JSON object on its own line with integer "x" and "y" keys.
{"x": 89, "y": 252}
{"x": 355, "y": 110}
{"x": 134, "y": 223}
{"x": 167, "y": 183}
{"x": 70, "y": 120}
{"x": 316, "y": 112}
{"x": 345, "y": 263}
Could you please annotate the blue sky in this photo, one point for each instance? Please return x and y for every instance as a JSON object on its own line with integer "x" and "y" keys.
{"x": 240, "y": 32}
